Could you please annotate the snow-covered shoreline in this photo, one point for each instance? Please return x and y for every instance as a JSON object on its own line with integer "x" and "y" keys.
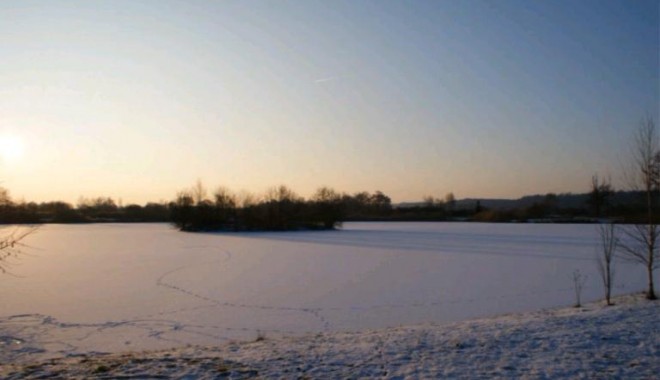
{"x": 620, "y": 341}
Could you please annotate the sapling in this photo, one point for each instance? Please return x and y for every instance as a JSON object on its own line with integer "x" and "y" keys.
{"x": 605, "y": 257}
{"x": 578, "y": 283}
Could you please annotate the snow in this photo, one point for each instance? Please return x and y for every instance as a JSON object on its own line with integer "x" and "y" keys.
{"x": 595, "y": 341}
{"x": 118, "y": 288}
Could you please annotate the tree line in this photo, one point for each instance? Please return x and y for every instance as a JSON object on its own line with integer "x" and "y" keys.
{"x": 602, "y": 202}
{"x": 92, "y": 210}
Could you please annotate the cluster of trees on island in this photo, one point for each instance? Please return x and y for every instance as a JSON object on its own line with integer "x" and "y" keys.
{"x": 279, "y": 209}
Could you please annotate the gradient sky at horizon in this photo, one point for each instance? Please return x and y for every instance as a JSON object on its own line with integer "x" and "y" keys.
{"x": 487, "y": 99}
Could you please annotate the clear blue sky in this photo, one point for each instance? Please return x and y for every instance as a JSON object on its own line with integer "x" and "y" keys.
{"x": 138, "y": 99}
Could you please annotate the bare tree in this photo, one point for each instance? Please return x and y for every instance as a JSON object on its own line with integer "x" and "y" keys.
{"x": 605, "y": 257}
{"x": 199, "y": 192}
{"x": 246, "y": 199}
{"x": 5, "y": 199}
{"x": 224, "y": 198}
{"x": 280, "y": 194}
{"x": 326, "y": 194}
{"x": 642, "y": 245}
{"x": 225, "y": 205}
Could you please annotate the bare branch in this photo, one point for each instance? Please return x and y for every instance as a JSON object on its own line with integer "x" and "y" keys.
{"x": 11, "y": 246}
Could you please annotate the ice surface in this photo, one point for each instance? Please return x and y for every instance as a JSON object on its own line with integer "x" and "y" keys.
{"x": 109, "y": 288}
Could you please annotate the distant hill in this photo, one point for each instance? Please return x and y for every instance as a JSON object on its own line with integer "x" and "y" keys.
{"x": 566, "y": 200}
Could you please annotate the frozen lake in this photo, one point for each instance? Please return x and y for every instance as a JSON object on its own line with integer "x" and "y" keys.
{"x": 124, "y": 287}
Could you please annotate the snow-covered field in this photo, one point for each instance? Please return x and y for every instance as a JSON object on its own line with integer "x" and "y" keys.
{"x": 116, "y": 288}
{"x": 592, "y": 342}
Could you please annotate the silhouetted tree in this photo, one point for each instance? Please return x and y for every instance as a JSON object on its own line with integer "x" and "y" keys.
{"x": 198, "y": 192}
{"x": 429, "y": 201}
{"x": 182, "y": 211}
{"x": 328, "y": 207}
{"x": 132, "y": 213}
{"x": 655, "y": 172}
{"x": 380, "y": 202}
{"x": 5, "y": 199}
{"x": 103, "y": 208}
{"x": 477, "y": 207}
{"x": 601, "y": 191}
{"x": 224, "y": 198}
{"x": 450, "y": 202}
{"x": 155, "y": 212}
{"x": 225, "y": 204}
{"x": 59, "y": 212}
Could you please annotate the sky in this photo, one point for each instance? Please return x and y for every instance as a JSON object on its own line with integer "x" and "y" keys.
{"x": 486, "y": 99}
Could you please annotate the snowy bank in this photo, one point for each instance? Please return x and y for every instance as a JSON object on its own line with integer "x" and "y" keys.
{"x": 621, "y": 341}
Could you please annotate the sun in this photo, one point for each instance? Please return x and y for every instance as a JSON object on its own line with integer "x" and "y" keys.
{"x": 11, "y": 148}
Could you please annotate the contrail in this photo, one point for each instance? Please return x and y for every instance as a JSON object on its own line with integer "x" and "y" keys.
{"x": 321, "y": 80}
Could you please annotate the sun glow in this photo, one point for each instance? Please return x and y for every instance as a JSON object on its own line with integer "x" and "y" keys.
{"x": 11, "y": 148}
